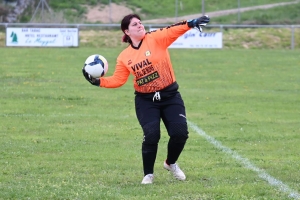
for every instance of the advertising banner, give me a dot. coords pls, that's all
(42, 37)
(195, 39)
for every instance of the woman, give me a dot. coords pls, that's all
(156, 90)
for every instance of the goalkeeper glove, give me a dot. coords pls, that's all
(199, 22)
(89, 78)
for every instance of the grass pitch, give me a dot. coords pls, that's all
(62, 138)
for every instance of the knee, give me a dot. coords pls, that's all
(151, 133)
(178, 132)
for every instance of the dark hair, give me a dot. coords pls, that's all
(125, 24)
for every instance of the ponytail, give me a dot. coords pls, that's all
(126, 39)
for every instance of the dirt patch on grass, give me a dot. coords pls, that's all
(107, 14)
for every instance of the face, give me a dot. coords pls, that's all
(136, 30)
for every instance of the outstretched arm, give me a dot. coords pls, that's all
(169, 34)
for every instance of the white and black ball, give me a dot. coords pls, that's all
(96, 65)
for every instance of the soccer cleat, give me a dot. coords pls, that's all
(174, 168)
(148, 179)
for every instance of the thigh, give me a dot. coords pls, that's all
(146, 111)
(174, 111)
(174, 118)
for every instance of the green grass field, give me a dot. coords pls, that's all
(62, 138)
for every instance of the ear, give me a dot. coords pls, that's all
(126, 31)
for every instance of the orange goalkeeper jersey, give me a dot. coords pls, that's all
(149, 63)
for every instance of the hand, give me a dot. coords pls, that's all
(199, 22)
(89, 78)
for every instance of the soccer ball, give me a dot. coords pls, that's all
(96, 65)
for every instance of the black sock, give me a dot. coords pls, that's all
(174, 151)
(149, 155)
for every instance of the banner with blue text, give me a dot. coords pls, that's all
(196, 39)
(42, 37)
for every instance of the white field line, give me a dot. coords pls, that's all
(247, 164)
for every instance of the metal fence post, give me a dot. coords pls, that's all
(203, 7)
(239, 12)
(176, 10)
(292, 37)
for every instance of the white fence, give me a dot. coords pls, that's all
(220, 27)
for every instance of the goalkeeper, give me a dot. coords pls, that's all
(156, 90)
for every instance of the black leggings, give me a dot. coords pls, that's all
(172, 113)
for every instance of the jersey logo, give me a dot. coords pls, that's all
(147, 79)
(147, 53)
(129, 62)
